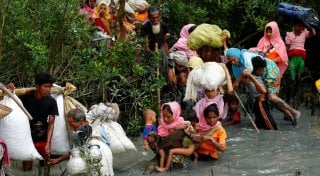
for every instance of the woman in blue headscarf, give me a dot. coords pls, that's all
(234, 56)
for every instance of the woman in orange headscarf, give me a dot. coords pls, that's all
(102, 18)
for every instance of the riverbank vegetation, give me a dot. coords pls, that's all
(52, 36)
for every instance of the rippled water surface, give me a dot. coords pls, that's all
(287, 151)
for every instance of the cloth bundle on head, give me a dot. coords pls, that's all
(138, 5)
(195, 62)
(207, 34)
(180, 58)
(211, 76)
(181, 44)
(163, 128)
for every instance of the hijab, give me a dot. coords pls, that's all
(203, 126)
(163, 128)
(181, 44)
(277, 42)
(236, 53)
(96, 13)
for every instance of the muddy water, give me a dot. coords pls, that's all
(287, 151)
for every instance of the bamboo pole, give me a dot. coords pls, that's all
(245, 110)
(4, 89)
(158, 75)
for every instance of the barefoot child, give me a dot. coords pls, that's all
(150, 126)
(171, 132)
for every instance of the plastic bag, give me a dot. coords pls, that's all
(107, 158)
(60, 140)
(15, 130)
(138, 5)
(211, 76)
(119, 142)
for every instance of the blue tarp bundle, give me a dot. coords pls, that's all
(308, 16)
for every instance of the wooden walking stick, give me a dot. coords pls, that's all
(245, 110)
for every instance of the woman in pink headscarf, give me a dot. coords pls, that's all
(273, 47)
(172, 131)
(212, 136)
(181, 44)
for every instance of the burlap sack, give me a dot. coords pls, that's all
(4, 111)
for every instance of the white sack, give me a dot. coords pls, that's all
(102, 111)
(117, 133)
(211, 76)
(128, 9)
(60, 140)
(107, 158)
(15, 130)
(138, 5)
(111, 137)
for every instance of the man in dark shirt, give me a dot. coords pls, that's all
(155, 30)
(43, 109)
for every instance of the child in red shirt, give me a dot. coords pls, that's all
(233, 116)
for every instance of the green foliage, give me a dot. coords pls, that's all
(244, 19)
(52, 36)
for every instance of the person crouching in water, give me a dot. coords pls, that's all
(233, 115)
(172, 131)
(212, 136)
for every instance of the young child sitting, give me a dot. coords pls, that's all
(150, 126)
(233, 115)
(172, 131)
(191, 116)
(213, 135)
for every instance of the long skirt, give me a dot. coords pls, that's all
(264, 118)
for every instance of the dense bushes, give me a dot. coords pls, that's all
(51, 36)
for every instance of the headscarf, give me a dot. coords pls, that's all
(195, 62)
(163, 128)
(181, 44)
(141, 16)
(236, 53)
(203, 126)
(180, 58)
(278, 44)
(207, 34)
(96, 13)
(5, 157)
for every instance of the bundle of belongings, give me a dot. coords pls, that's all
(107, 133)
(308, 16)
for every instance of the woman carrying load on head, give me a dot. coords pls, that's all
(181, 44)
(207, 40)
